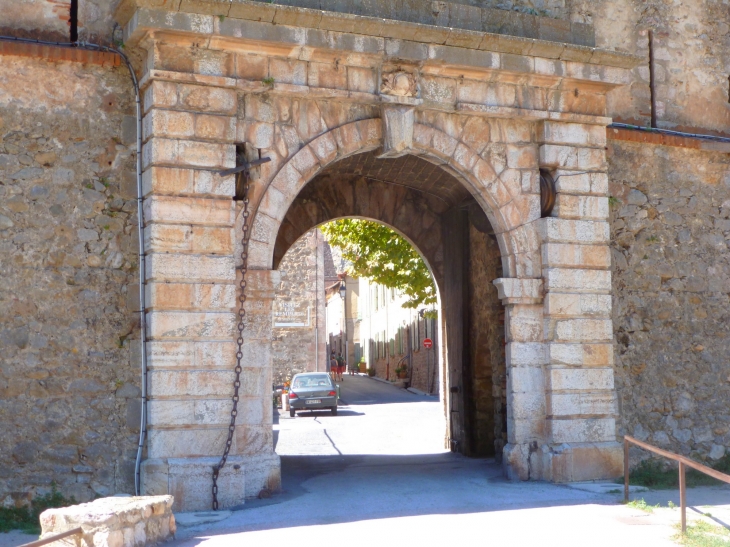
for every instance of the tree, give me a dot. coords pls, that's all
(381, 255)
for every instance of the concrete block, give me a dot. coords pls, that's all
(526, 354)
(522, 157)
(190, 325)
(189, 210)
(527, 405)
(525, 430)
(581, 207)
(190, 383)
(328, 75)
(287, 71)
(584, 330)
(180, 182)
(252, 67)
(160, 94)
(191, 296)
(525, 380)
(582, 430)
(190, 482)
(559, 230)
(362, 80)
(571, 182)
(176, 153)
(594, 355)
(198, 98)
(524, 323)
(186, 443)
(566, 304)
(254, 439)
(168, 354)
(577, 280)
(168, 123)
(573, 134)
(580, 379)
(575, 158)
(190, 268)
(566, 255)
(576, 404)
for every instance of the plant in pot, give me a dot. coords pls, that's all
(401, 372)
(371, 372)
(363, 367)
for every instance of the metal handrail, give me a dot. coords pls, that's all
(56, 537)
(683, 461)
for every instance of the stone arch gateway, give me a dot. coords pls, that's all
(308, 88)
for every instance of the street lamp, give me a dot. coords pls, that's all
(343, 289)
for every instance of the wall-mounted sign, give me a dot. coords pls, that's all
(427, 343)
(291, 314)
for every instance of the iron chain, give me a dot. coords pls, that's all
(239, 341)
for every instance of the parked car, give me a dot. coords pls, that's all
(311, 391)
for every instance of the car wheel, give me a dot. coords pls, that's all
(292, 413)
(334, 411)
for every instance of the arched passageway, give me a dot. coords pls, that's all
(439, 216)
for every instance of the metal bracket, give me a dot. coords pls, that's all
(243, 166)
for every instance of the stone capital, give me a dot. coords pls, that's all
(519, 291)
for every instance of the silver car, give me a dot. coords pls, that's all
(311, 391)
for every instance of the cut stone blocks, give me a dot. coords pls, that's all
(114, 522)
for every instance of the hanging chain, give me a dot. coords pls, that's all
(239, 341)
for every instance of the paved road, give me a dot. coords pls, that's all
(377, 474)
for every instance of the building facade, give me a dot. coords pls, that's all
(433, 119)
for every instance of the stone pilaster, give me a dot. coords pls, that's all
(191, 290)
(525, 354)
(580, 396)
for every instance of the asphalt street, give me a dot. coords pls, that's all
(378, 474)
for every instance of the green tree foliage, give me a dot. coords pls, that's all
(381, 255)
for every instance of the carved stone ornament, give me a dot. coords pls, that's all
(400, 84)
(397, 130)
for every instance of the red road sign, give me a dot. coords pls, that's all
(427, 343)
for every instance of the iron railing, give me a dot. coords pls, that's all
(683, 461)
(55, 537)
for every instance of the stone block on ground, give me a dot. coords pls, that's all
(114, 521)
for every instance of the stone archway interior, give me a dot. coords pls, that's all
(432, 209)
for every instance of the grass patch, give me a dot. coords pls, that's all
(642, 505)
(703, 534)
(652, 473)
(26, 518)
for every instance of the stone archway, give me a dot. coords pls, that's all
(491, 112)
(443, 222)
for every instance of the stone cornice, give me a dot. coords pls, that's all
(312, 28)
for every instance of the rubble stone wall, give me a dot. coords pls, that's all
(69, 398)
(691, 54)
(486, 336)
(670, 226)
(293, 348)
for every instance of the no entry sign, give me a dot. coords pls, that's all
(427, 343)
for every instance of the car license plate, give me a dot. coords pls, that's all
(313, 401)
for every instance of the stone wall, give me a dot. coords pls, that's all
(113, 522)
(670, 226)
(691, 53)
(299, 299)
(69, 399)
(486, 337)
